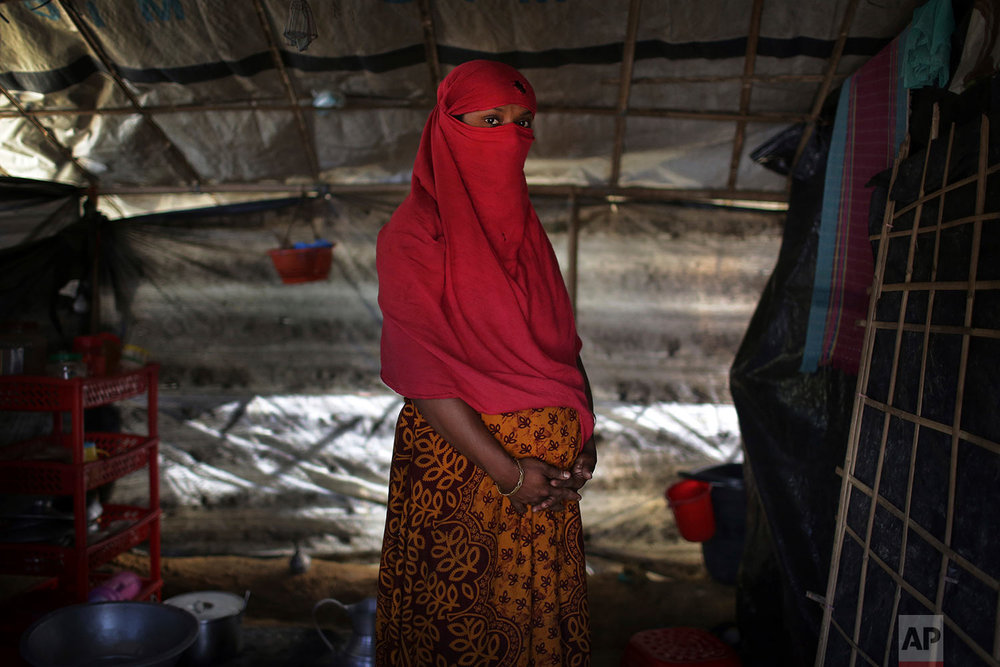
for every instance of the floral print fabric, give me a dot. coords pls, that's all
(464, 578)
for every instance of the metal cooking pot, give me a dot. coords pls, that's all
(141, 634)
(220, 617)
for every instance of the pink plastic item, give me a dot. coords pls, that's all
(678, 647)
(124, 585)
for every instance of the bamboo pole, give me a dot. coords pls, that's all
(260, 104)
(51, 138)
(946, 429)
(925, 346)
(894, 373)
(573, 247)
(305, 137)
(978, 285)
(946, 189)
(926, 535)
(977, 227)
(912, 590)
(957, 222)
(950, 330)
(886, 419)
(824, 88)
(430, 45)
(95, 47)
(720, 197)
(746, 88)
(855, 427)
(356, 103)
(724, 78)
(624, 90)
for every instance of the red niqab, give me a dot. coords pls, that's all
(473, 303)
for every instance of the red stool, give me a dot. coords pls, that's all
(676, 647)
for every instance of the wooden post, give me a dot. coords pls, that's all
(90, 210)
(573, 247)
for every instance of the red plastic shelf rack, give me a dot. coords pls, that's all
(56, 465)
(119, 454)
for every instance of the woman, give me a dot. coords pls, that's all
(482, 560)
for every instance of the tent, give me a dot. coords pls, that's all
(157, 104)
(166, 114)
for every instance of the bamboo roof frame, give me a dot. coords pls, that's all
(624, 89)
(300, 121)
(623, 109)
(776, 117)
(825, 85)
(49, 136)
(94, 44)
(746, 87)
(430, 46)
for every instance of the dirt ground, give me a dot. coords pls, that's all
(628, 593)
(642, 574)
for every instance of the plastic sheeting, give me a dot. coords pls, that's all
(207, 72)
(794, 428)
(34, 210)
(254, 474)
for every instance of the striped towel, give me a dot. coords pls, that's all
(869, 126)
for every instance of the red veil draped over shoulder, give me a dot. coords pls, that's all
(473, 303)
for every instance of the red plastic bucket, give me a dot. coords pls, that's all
(691, 502)
(302, 265)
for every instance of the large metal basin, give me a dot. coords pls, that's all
(139, 634)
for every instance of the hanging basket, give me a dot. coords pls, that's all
(302, 265)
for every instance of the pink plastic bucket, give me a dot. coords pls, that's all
(691, 502)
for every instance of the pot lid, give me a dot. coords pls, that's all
(209, 605)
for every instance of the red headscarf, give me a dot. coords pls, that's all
(473, 303)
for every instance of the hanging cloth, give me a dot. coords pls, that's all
(927, 50)
(473, 303)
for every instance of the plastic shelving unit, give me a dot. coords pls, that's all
(56, 465)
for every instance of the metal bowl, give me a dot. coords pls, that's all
(141, 634)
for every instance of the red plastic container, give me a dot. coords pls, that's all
(676, 647)
(101, 353)
(691, 502)
(302, 265)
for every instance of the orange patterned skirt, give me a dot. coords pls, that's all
(464, 578)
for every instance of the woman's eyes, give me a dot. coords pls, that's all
(496, 121)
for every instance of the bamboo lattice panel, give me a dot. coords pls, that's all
(918, 530)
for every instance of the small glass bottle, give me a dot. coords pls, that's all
(66, 365)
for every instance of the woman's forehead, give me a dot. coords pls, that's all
(517, 109)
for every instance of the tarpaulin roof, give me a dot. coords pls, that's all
(143, 100)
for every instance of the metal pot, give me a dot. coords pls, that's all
(144, 634)
(220, 618)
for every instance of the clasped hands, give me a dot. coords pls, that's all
(546, 486)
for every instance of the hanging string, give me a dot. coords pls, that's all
(300, 30)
